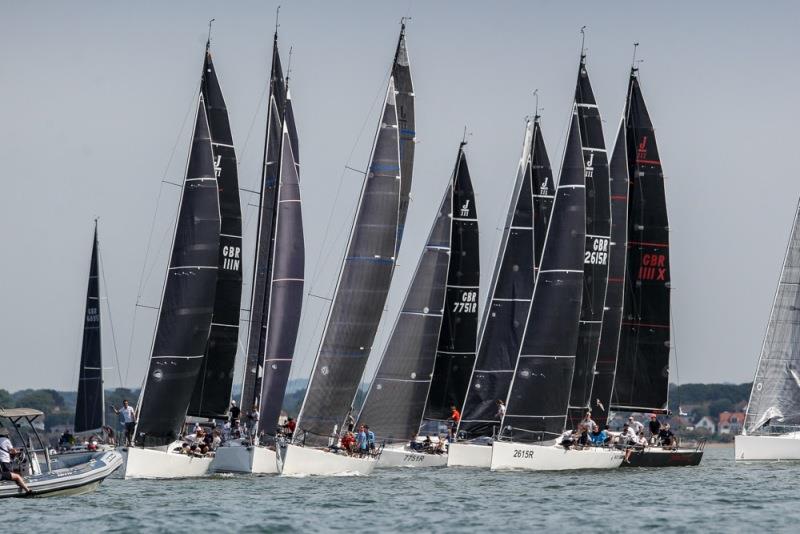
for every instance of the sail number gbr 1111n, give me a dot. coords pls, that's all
(596, 252)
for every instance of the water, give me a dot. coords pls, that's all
(718, 495)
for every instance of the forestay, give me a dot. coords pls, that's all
(89, 407)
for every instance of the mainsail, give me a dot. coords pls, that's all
(539, 394)
(598, 230)
(187, 302)
(396, 398)
(279, 260)
(617, 255)
(775, 397)
(361, 289)
(404, 98)
(213, 389)
(455, 352)
(642, 379)
(89, 410)
(512, 286)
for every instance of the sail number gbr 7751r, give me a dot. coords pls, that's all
(467, 304)
(596, 251)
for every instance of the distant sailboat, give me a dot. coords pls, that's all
(357, 306)
(510, 294)
(438, 316)
(90, 407)
(185, 315)
(277, 285)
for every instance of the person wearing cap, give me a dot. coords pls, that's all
(235, 411)
(128, 415)
(627, 438)
(635, 425)
(7, 450)
(654, 425)
(666, 436)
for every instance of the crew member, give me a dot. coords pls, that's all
(6, 452)
(128, 415)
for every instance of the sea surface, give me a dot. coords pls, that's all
(716, 496)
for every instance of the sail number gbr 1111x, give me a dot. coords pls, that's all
(596, 250)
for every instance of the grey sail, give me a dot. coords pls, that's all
(187, 302)
(775, 397)
(396, 398)
(404, 98)
(361, 289)
(511, 288)
(537, 402)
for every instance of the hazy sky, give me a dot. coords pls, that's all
(96, 96)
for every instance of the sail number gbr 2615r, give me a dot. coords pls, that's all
(522, 453)
(596, 251)
(468, 303)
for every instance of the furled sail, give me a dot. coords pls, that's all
(539, 394)
(361, 289)
(279, 261)
(212, 393)
(396, 398)
(598, 230)
(617, 255)
(642, 378)
(455, 355)
(404, 98)
(187, 302)
(512, 286)
(90, 407)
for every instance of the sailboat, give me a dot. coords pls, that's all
(357, 305)
(277, 287)
(187, 310)
(510, 294)
(434, 334)
(539, 394)
(641, 378)
(772, 422)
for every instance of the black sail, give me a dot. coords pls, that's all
(642, 378)
(187, 303)
(361, 290)
(540, 389)
(617, 254)
(404, 98)
(455, 355)
(267, 214)
(598, 231)
(512, 286)
(212, 393)
(395, 400)
(89, 408)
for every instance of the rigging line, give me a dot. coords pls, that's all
(110, 321)
(261, 100)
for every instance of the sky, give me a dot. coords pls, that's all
(96, 118)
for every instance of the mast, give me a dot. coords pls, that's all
(598, 237)
(89, 409)
(539, 393)
(187, 303)
(512, 285)
(361, 289)
(456, 352)
(774, 396)
(642, 378)
(212, 392)
(404, 98)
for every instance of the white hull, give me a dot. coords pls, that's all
(510, 455)
(785, 447)
(405, 457)
(245, 459)
(157, 463)
(469, 455)
(310, 461)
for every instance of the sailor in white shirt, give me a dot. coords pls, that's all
(635, 425)
(128, 415)
(7, 450)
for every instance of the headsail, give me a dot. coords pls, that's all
(361, 289)
(213, 390)
(775, 397)
(396, 398)
(642, 379)
(539, 393)
(617, 255)
(89, 410)
(512, 286)
(187, 302)
(280, 261)
(404, 97)
(455, 354)
(598, 230)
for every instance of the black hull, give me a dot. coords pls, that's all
(662, 458)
